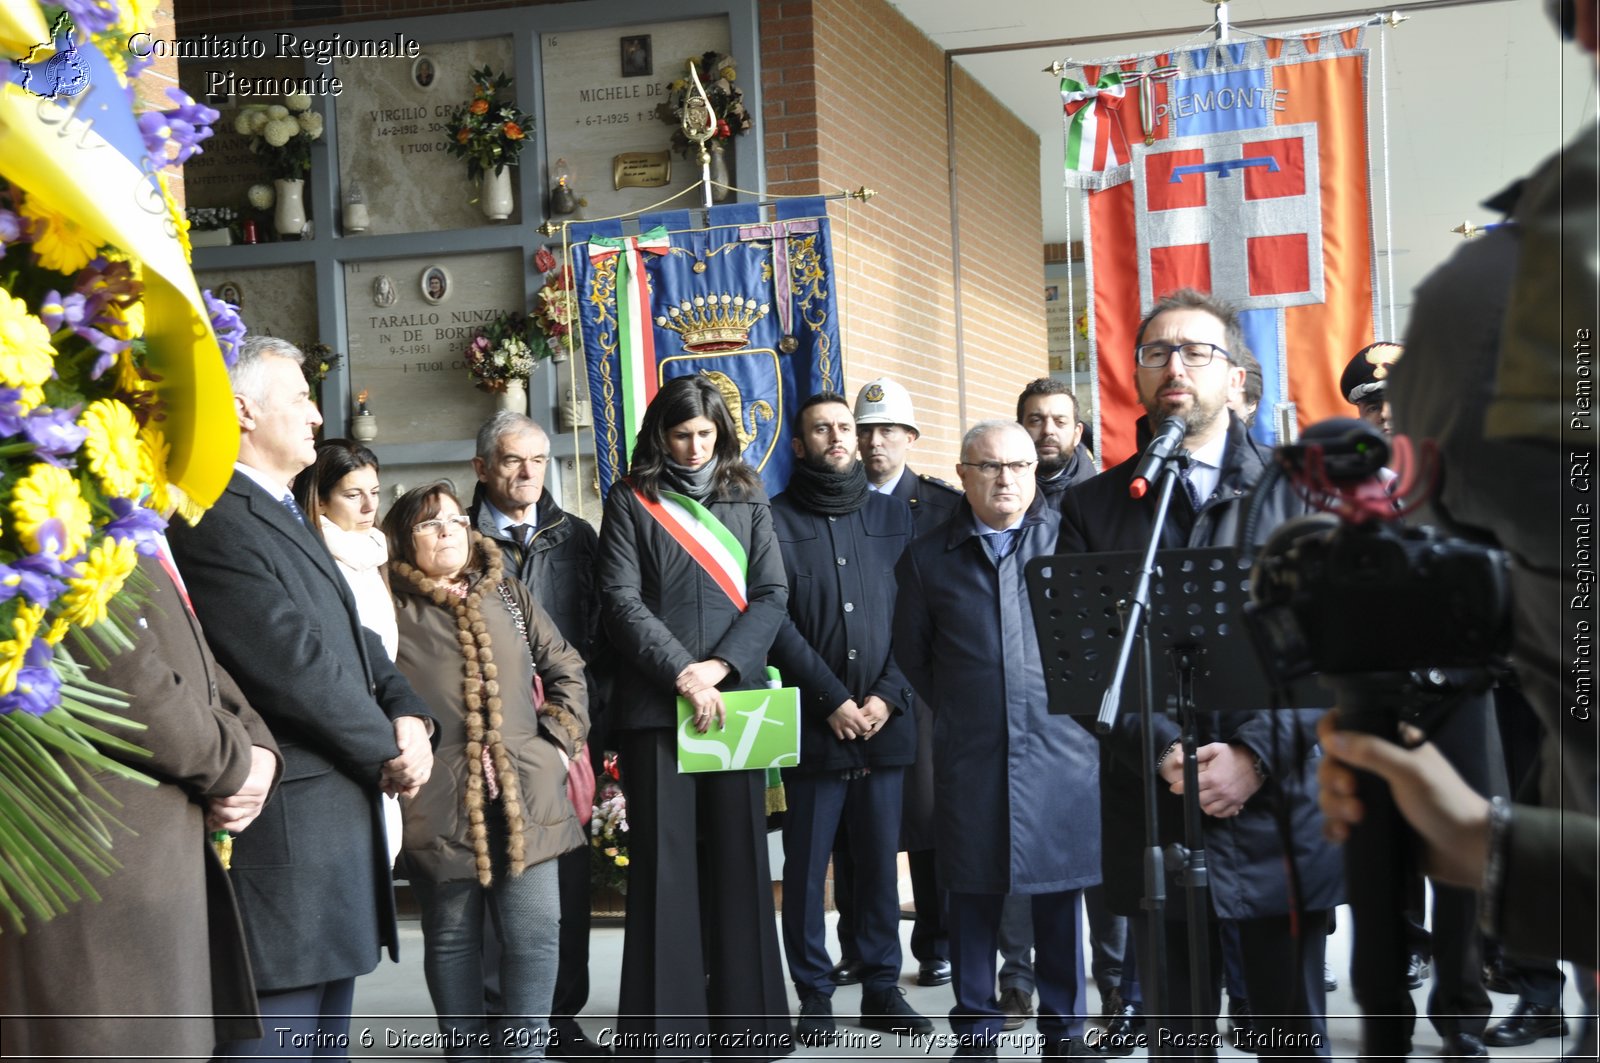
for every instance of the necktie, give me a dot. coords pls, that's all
(1000, 543)
(1189, 487)
(519, 532)
(293, 507)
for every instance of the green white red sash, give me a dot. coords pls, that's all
(707, 540)
(636, 345)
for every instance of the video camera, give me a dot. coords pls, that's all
(1350, 590)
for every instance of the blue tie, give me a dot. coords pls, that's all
(1189, 488)
(293, 507)
(1000, 543)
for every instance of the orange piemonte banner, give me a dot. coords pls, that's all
(1238, 168)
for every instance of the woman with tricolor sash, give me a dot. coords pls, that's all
(693, 592)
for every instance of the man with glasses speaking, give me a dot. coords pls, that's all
(1254, 765)
(1017, 786)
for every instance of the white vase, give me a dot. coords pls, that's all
(210, 238)
(290, 217)
(719, 173)
(514, 397)
(364, 427)
(495, 194)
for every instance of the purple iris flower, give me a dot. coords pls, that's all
(55, 433)
(87, 316)
(92, 16)
(38, 687)
(12, 229)
(133, 521)
(226, 323)
(10, 414)
(40, 578)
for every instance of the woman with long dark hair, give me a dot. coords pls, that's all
(483, 834)
(700, 961)
(339, 495)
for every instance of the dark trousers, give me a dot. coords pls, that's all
(817, 805)
(1058, 963)
(700, 957)
(312, 1022)
(930, 940)
(1288, 1006)
(1108, 944)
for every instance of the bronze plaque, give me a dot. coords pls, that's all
(641, 169)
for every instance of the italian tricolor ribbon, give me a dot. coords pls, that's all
(708, 541)
(1090, 141)
(636, 344)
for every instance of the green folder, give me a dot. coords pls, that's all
(763, 732)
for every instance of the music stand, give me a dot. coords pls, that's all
(1196, 606)
(1194, 612)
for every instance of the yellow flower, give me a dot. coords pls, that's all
(48, 495)
(622, 861)
(153, 451)
(112, 446)
(96, 580)
(62, 245)
(27, 359)
(14, 650)
(58, 631)
(129, 378)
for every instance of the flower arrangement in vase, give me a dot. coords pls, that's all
(608, 831)
(489, 132)
(282, 134)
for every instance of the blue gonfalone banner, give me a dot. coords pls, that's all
(748, 300)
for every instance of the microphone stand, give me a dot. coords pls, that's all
(1136, 624)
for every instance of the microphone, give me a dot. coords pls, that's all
(1156, 455)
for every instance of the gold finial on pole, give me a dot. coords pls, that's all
(699, 125)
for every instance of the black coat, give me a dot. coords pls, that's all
(664, 613)
(1016, 789)
(312, 873)
(1248, 879)
(834, 644)
(932, 502)
(558, 565)
(1079, 467)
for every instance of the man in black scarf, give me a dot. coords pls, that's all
(840, 543)
(1048, 410)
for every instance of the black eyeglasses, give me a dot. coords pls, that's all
(990, 470)
(1194, 355)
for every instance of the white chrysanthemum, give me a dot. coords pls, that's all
(277, 110)
(279, 133)
(260, 196)
(241, 124)
(311, 124)
(299, 101)
(258, 120)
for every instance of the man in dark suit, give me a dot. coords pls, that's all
(1254, 765)
(1017, 789)
(312, 874)
(886, 430)
(553, 552)
(840, 542)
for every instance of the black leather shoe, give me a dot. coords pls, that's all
(889, 1012)
(1418, 970)
(1121, 1035)
(1238, 1014)
(1526, 1024)
(1463, 1046)
(846, 972)
(934, 972)
(816, 1025)
(1330, 981)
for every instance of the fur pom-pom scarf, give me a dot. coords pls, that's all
(480, 694)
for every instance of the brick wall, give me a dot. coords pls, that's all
(855, 95)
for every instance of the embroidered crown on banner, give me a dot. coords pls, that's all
(712, 323)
